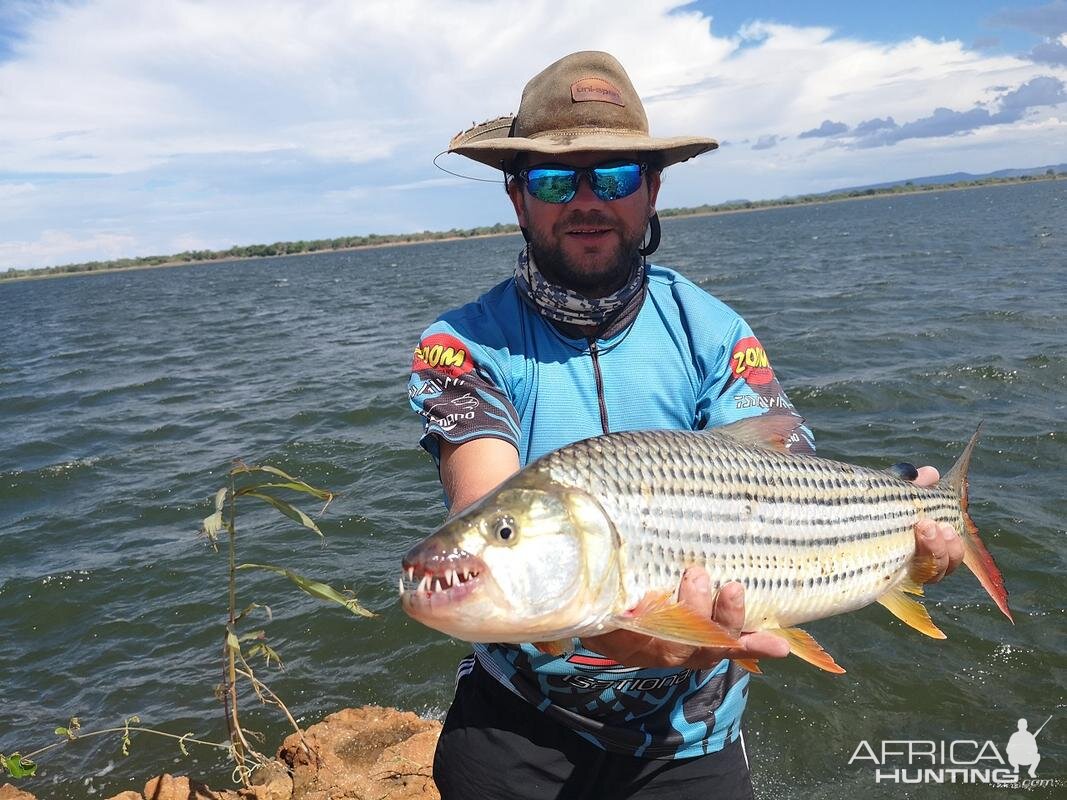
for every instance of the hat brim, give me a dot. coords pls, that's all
(490, 144)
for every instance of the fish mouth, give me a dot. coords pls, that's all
(432, 579)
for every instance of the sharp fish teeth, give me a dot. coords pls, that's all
(400, 581)
(452, 579)
(411, 573)
(424, 584)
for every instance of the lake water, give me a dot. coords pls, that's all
(895, 324)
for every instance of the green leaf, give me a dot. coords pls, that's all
(295, 486)
(269, 653)
(252, 635)
(232, 642)
(63, 732)
(316, 589)
(126, 741)
(181, 743)
(211, 526)
(290, 511)
(17, 766)
(252, 607)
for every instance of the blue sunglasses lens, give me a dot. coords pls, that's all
(552, 185)
(560, 184)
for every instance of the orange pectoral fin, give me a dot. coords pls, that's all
(910, 612)
(751, 664)
(662, 618)
(803, 645)
(556, 648)
(921, 570)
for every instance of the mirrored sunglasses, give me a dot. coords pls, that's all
(558, 184)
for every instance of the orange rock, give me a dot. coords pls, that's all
(10, 792)
(272, 782)
(172, 787)
(129, 794)
(364, 752)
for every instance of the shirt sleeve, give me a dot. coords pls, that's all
(460, 389)
(741, 383)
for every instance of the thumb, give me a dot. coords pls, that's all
(730, 607)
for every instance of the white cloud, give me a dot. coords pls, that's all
(53, 245)
(194, 111)
(12, 191)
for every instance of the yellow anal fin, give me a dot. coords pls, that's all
(659, 616)
(911, 612)
(556, 648)
(921, 570)
(804, 646)
(751, 664)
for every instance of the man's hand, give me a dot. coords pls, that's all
(938, 540)
(727, 608)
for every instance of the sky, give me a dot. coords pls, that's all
(130, 128)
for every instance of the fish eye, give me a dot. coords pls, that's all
(504, 529)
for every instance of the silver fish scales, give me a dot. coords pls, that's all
(807, 536)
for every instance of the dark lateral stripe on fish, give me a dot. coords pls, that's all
(802, 542)
(752, 562)
(762, 582)
(774, 494)
(890, 526)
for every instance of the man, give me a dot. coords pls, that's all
(586, 337)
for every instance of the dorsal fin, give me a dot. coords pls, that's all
(772, 431)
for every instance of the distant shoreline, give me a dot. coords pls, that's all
(231, 259)
(512, 230)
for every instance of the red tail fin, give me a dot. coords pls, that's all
(975, 555)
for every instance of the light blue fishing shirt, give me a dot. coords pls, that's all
(496, 367)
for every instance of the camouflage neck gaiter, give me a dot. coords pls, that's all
(564, 305)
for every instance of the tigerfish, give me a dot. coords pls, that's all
(595, 537)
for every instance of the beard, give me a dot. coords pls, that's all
(595, 276)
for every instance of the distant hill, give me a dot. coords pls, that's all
(955, 177)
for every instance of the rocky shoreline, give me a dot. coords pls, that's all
(368, 753)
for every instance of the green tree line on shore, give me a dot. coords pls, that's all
(239, 252)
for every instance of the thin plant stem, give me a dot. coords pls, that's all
(63, 742)
(273, 698)
(233, 722)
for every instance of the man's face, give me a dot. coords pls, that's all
(587, 244)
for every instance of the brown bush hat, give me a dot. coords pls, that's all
(584, 102)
